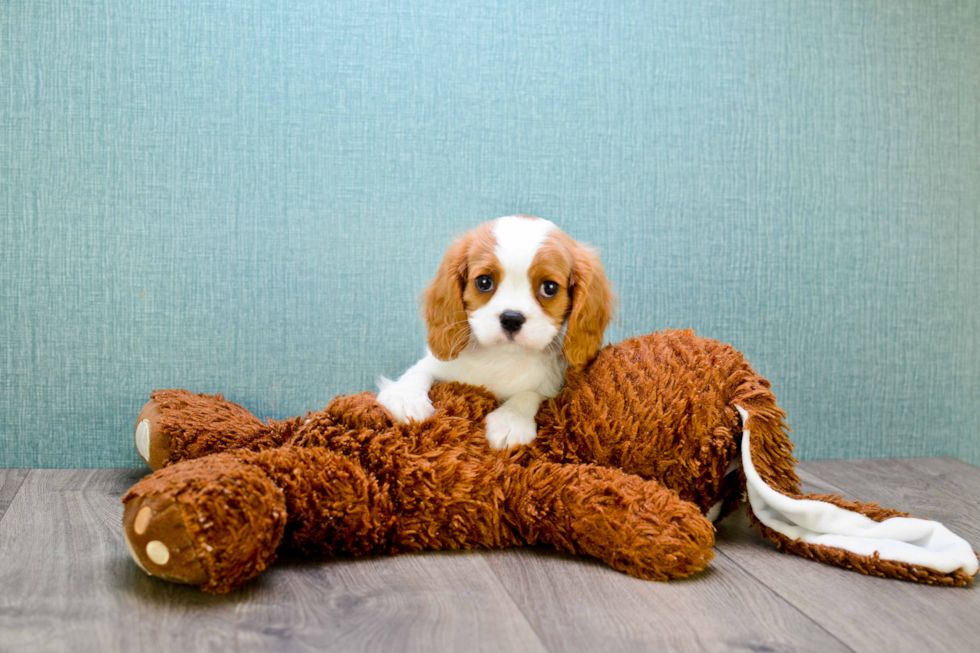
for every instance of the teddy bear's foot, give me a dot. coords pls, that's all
(214, 523)
(159, 542)
(152, 441)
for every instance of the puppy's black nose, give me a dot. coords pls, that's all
(511, 321)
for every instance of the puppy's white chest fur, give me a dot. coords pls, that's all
(506, 370)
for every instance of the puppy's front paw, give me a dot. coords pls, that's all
(506, 428)
(405, 403)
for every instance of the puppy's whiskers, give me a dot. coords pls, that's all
(461, 338)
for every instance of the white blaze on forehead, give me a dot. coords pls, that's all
(518, 240)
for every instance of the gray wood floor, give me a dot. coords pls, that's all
(67, 584)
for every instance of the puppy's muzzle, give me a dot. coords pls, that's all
(511, 321)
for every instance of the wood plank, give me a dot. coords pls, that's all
(950, 476)
(943, 466)
(945, 489)
(579, 604)
(10, 482)
(430, 601)
(869, 614)
(69, 585)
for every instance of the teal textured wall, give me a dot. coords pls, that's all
(247, 197)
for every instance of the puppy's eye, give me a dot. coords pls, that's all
(484, 283)
(549, 289)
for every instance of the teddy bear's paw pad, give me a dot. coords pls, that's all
(152, 442)
(143, 440)
(159, 542)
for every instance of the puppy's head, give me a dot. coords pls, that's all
(518, 281)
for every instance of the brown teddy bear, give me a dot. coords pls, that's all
(633, 461)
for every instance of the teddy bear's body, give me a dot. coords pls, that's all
(629, 459)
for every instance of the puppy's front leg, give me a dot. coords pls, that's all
(408, 397)
(513, 422)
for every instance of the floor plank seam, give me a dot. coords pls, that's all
(786, 601)
(537, 633)
(20, 484)
(934, 483)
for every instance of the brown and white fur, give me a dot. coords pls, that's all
(543, 311)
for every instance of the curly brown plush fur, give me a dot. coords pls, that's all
(628, 459)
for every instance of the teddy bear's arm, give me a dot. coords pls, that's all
(179, 425)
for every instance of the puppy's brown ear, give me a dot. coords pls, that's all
(592, 308)
(442, 305)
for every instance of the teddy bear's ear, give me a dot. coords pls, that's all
(592, 308)
(442, 304)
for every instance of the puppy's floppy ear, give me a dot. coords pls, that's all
(592, 308)
(442, 304)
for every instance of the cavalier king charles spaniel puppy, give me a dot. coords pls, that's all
(515, 304)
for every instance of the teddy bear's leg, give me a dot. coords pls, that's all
(635, 525)
(334, 505)
(179, 425)
(660, 406)
(217, 522)
(213, 522)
